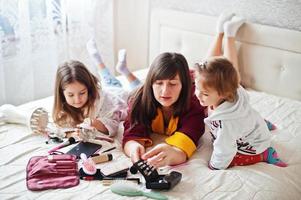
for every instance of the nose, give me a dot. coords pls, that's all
(77, 99)
(165, 89)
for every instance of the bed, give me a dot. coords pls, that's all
(270, 61)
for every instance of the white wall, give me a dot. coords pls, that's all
(279, 13)
(132, 19)
(131, 31)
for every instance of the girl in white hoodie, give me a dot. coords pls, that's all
(241, 136)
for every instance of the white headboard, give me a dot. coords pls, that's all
(269, 57)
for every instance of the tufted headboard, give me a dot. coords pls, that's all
(269, 57)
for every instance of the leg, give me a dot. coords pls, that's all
(122, 68)
(94, 54)
(230, 52)
(270, 125)
(216, 47)
(270, 156)
(107, 78)
(242, 160)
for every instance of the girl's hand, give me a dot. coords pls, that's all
(164, 154)
(94, 124)
(134, 150)
(74, 134)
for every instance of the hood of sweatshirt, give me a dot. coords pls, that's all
(232, 110)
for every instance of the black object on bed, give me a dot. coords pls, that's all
(152, 177)
(84, 147)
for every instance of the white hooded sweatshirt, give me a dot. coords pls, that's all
(236, 127)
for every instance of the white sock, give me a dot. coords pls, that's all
(121, 66)
(224, 17)
(93, 52)
(231, 27)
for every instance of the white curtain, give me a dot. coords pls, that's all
(37, 35)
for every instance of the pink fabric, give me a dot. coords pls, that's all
(50, 172)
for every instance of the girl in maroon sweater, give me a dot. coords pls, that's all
(165, 104)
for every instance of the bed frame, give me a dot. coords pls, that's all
(269, 57)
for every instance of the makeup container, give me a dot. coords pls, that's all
(100, 158)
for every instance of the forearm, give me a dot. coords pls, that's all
(178, 157)
(182, 142)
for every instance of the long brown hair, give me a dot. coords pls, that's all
(69, 72)
(165, 66)
(219, 74)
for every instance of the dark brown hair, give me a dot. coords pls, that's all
(220, 75)
(165, 66)
(69, 72)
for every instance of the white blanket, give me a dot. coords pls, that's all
(259, 181)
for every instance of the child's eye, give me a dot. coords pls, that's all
(70, 95)
(82, 93)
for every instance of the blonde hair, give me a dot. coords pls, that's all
(219, 74)
(69, 72)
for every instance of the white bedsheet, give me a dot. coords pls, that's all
(259, 181)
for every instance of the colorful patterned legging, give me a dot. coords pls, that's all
(242, 159)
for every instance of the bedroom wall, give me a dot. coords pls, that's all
(131, 25)
(135, 15)
(279, 13)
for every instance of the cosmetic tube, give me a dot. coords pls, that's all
(100, 158)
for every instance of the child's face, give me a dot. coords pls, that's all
(76, 94)
(167, 91)
(207, 96)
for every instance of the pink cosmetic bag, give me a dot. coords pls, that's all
(50, 172)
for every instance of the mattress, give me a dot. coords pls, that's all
(259, 181)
